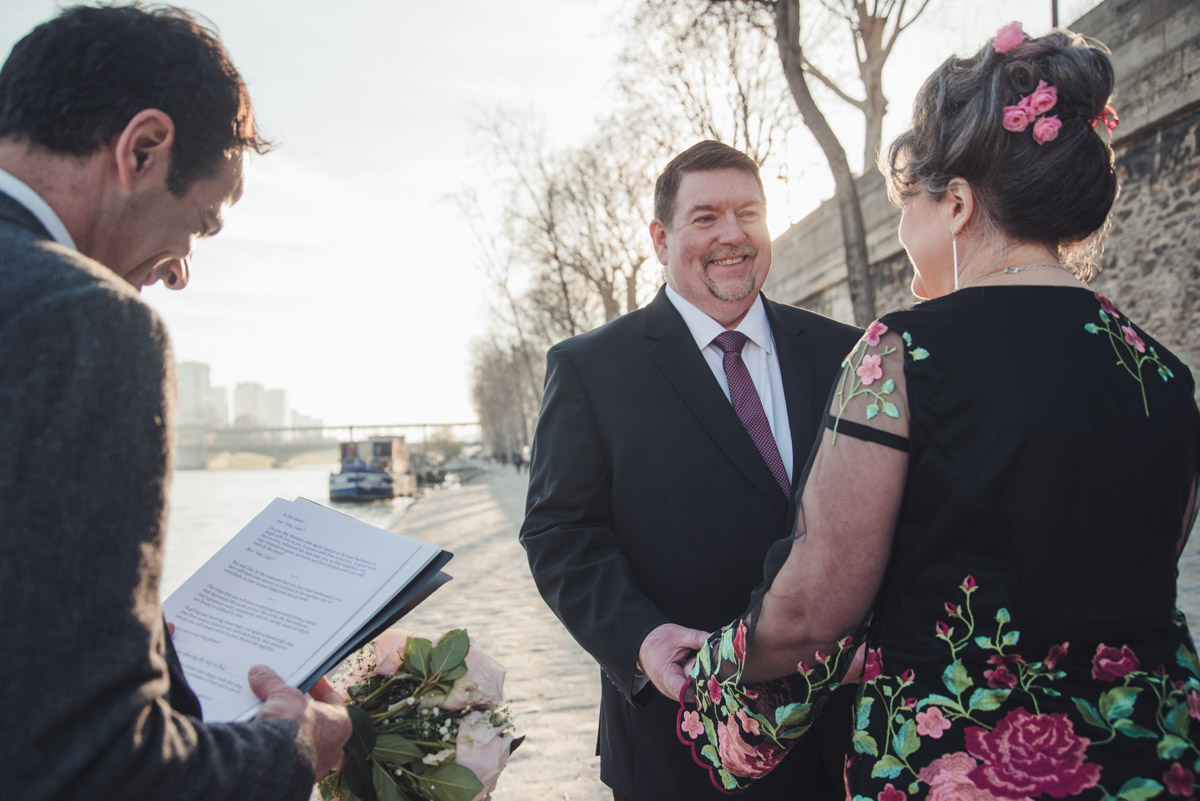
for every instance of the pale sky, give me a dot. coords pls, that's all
(345, 274)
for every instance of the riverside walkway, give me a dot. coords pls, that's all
(554, 686)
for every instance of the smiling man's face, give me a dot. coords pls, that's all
(716, 250)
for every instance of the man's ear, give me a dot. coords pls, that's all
(960, 204)
(658, 234)
(143, 147)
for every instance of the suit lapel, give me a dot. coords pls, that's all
(673, 350)
(798, 369)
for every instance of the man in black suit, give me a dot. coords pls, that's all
(651, 505)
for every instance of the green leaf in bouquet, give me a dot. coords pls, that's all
(362, 737)
(417, 653)
(356, 774)
(448, 676)
(396, 749)
(450, 782)
(450, 652)
(516, 742)
(386, 788)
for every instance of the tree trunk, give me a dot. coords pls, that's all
(787, 36)
(871, 61)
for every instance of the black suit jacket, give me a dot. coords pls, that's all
(649, 503)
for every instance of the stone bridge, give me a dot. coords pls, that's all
(197, 445)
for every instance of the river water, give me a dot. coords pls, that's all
(209, 506)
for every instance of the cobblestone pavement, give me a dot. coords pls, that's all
(554, 686)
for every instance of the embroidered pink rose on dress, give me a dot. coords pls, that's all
(1000, 678)
(890, 793)
(740, 758)
(947, 779)
(1031, 755)
(1008, 37)
(1111, 663)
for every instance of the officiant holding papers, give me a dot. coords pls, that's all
(122, 136)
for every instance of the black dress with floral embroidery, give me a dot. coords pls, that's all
(1024, 642)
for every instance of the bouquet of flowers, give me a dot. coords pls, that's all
(428, 721)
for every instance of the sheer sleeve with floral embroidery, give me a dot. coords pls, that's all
(761, 682)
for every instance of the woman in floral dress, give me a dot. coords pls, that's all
(1007, 477)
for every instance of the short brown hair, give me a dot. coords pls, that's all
(74, 82)
(700, 157)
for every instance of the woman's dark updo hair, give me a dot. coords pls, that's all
(1058, 193)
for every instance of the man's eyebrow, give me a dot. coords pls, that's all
(713, 207)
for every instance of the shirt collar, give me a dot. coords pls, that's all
(705, 329)
(21, 192)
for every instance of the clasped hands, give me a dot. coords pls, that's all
(668, 652)
(666, 657)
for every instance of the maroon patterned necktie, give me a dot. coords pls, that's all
(748, 406)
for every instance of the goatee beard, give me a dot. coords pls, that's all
(732, 290)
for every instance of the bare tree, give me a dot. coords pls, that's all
(854, 237)
(874, 26)
(693, 70)
(579, 216)
(507, 410)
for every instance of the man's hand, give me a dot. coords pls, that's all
(665, 652)
(323, 714)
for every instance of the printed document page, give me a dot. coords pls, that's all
(286, 591)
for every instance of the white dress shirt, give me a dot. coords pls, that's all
(758, 354)
(21, 192)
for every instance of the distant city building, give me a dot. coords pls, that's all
(277, 413)
(254, 406)
(218, 404)
(200, 404)
(249, 404)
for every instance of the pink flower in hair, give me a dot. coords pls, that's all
(1046, 129)
(1108, 117)
(1017, 118)
(1008, 37)
(1043, 98)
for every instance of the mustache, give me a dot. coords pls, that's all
(732, 253)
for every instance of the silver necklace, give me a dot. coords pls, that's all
(1014, 270)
